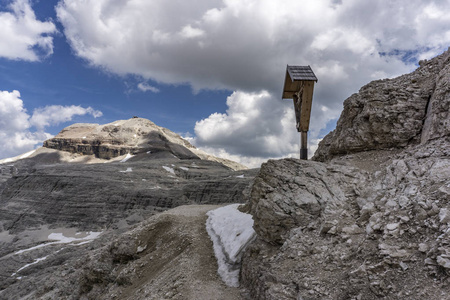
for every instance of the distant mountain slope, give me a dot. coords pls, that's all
(134, 136)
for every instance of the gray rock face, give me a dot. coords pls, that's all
(394, 113)
(367, 225)
(95, 196)
(291, 193)
(338, 232)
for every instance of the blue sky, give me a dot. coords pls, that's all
(213, 73)
(65, 79)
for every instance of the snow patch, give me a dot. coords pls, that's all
(240, 176)
(127, 157)
(184, 168)
(30, 264)
(27, 154)
(169, 169)
(128, 170)
(231, 231)
(148, 152)
(90, 235)
(14, 159)
(61, 239)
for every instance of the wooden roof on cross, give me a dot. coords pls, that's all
(301, 73)
(294, 76)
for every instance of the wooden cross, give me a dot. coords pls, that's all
(299, 86)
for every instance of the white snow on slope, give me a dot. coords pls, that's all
(231, 231)
(184, 168)
(61, 239)
(127, 157)
(14, 159)
(128, 170)
(27, 154)
(169, 169)
(37, 260)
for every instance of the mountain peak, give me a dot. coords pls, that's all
(133, 136)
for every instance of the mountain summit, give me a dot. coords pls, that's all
(135, 139)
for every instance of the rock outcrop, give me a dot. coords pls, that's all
(371, 224)
(394, 113)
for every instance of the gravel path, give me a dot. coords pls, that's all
(179, 261)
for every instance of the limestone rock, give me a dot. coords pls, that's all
(394, 113)
(292, 193)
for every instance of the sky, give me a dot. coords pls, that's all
(209, 70)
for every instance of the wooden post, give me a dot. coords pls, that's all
(304, 145)
(297, 102)
(299, 86)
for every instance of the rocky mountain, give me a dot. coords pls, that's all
(134, 136)
(370, 218)
(91, 184)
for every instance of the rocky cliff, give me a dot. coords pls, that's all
(371, 219)
(394, 113)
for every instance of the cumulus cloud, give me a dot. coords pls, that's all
(22, 131)
(248, 127)
(145, 87)
(256, 127)
(22, 36)
(56, 114)
(244, 46)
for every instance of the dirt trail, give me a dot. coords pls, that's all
(178, 261)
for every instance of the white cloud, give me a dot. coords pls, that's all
(22, 132)
(191, 32)
(22, 36)
(146, 87)
(244, 46)
(256, 127)
(56, 114)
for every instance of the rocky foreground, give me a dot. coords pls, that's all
(370, 219)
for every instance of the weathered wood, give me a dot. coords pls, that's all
(290, 87)
(297, 103)
(304, 145)
(306, 104)
(299, 86)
